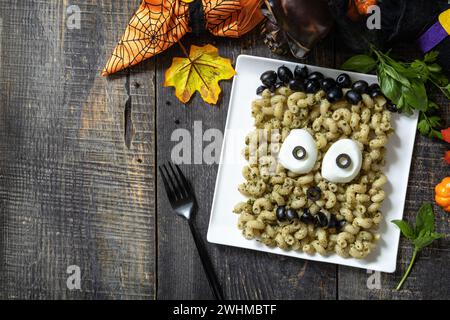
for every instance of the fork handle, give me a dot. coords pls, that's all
(206, 262)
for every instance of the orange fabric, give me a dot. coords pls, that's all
(231, 18)
(159, 24)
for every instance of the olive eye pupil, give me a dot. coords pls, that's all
(343, 161)
(299, 153)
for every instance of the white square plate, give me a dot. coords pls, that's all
(223, 222)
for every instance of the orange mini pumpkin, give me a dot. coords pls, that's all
(442, 196)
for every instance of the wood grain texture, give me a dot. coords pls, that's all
(71, 192)
(78, 185)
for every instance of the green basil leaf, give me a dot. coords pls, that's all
(396, 75)
(446, 90)
(405, 228)
(431, 56)
(425, 219)
(416, 95)
(426, 238)
(423, 127)
(360, 63)
(436, 134)
(432, 105)
(390, 87)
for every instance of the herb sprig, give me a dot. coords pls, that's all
(406, 83)
(421, 235)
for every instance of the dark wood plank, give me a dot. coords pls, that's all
(430, 278)
(244, 274)
(72, 192)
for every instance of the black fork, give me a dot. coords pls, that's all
(182, 199)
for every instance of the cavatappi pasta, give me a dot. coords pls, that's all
(268, 185)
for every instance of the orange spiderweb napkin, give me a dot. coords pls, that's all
(159, 24)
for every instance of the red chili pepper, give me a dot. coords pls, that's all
(363, 5)
(447, 157)
(446, 135)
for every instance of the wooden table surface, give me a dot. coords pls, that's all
(78, 182)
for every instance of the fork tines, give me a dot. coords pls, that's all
(176, 185)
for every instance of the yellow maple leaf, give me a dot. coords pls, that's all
(201, 72)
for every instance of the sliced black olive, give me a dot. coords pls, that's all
(285, 74)
(291, 214)
(353, 97)
(269, 78)
(315, 76)
(390, 106)
(343, 161)
(327, 83)
(341, 224)
(314, 193)
(296, 85)
(360, 86)
(333, 222)
(301, 72)
(312, 86)
(260, 90)
(334, 94)
(299, 153)
(375, 94)
(344, 80)
(321, 220)
(279, 84)
(306, 217)
(281, 213)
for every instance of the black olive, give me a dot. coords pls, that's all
(272, 88)
(301, 72)
(279, 84)
(390, 106)
(353, 97)
(374, 90)
(343, 161)
(260, 89)
(374, 86)
(344, 81)
(321, 220)
(334, 94)
(306, 217)
(333, 222)
(281, 213)
(376, 93)
(341, 224)
(291, 214)
(296, 85)
(312, 86)
(327, 83)
(315, 76)
(285, 74)
(269, 78)
(299, 153)
(314, 193)
(360, 86)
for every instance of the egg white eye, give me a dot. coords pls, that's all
(342, 162)
(298, 153)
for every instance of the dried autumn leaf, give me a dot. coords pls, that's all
(201, 72)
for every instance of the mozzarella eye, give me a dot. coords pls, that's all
(342, 162)
(298, 153)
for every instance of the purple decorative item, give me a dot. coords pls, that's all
(432, 37)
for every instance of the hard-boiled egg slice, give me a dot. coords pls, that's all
(342, 162)
(298, 152)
